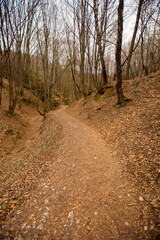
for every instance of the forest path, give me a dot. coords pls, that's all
(85, 195)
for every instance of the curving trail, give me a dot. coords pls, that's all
(85, 195)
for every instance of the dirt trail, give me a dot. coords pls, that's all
(85, 195)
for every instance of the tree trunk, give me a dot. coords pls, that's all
(82, 48)
(104, 73)
(37, 67)
(76, 87)
(1, 74)
(82, 72)
(153, 64)
(99, 38)
(19, 68)
(1, 85)
(12, 99)
(118, 54)
(144, 69)
(133, 38)
(29, 71)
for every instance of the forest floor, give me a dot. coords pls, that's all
(86, 172)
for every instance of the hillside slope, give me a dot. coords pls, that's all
(99, 180)
(28, 145)
(133, 133)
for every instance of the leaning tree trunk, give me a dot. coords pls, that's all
(118, 54)
(133, 38)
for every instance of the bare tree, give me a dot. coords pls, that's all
(13, 20)
(81, 20)
(101, 33)
(144, 67)
(118, 54)
(8, 37)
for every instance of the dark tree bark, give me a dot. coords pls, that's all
(118, 54)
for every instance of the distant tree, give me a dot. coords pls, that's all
(14, 16)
